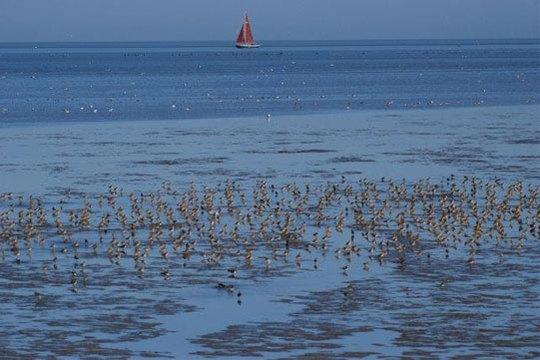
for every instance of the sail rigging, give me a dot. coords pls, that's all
(245, 37)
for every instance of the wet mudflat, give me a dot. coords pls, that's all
(376, 234)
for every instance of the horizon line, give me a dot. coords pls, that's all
(268, 40)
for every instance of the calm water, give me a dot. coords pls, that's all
(428, 302)
(148, 81)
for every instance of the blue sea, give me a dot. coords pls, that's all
(388, 158)
(51, 82)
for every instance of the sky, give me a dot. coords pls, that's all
(181, 20)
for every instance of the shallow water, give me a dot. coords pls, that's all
(77, 118)
(487, 142)
(429, 307)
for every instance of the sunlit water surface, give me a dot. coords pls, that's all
(426, 307)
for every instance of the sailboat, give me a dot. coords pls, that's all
(245, 37)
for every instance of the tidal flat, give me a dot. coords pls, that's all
(376, 234)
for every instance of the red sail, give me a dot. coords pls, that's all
(241, 36)
(245, 36)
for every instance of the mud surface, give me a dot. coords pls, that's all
(425, 287)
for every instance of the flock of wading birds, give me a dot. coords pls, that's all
(227, 226)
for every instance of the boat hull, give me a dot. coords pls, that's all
(247, 46)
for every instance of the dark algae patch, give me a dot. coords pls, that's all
(187, 161)
(350, 159)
